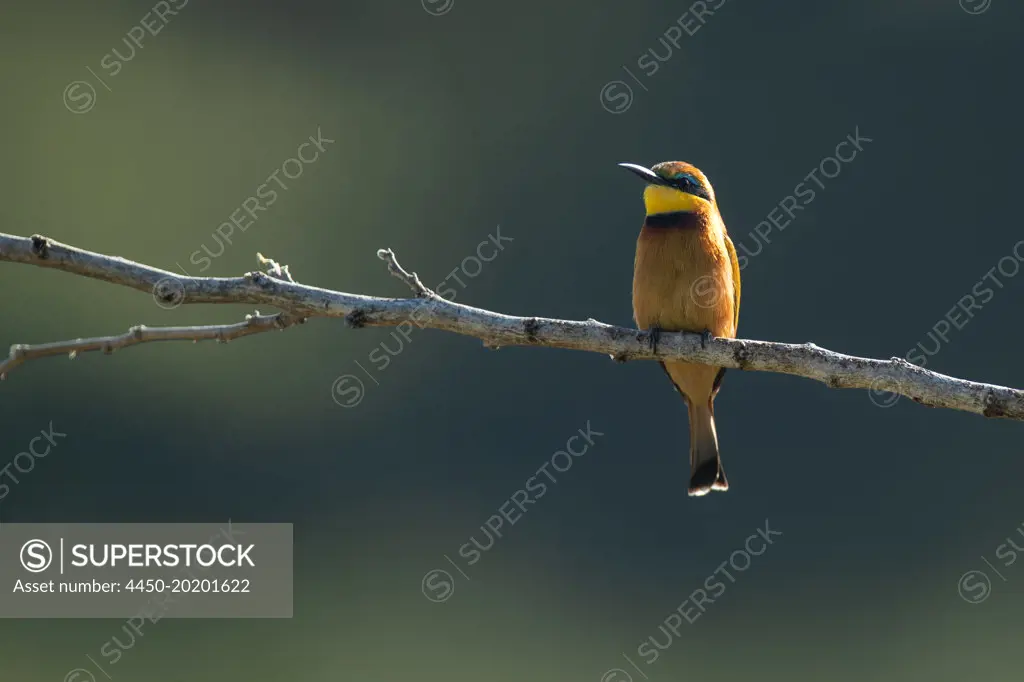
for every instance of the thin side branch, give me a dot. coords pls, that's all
(411, 279)
(428, 310)
(253, 324)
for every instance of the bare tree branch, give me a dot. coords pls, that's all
(254, 324)
(428, 310)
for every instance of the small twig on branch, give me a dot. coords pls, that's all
(253, 324)
(274, 268)
(298, 301)
(410, 278)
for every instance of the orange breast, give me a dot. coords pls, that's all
(682, 279)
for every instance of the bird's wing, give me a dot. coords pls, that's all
(735, 280)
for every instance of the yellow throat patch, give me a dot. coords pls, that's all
(660, 199)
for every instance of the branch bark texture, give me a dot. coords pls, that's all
(298, 302)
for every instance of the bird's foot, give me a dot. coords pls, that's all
(654, 335)
(705, 336)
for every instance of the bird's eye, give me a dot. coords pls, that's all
(685, 179)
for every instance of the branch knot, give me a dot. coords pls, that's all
(356, 319)
(531, 327)
(41, 246)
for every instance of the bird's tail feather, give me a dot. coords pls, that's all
(706, 473)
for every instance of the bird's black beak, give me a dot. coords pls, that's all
(646, 174)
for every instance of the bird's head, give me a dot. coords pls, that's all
(674, 186)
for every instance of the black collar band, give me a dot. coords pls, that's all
(677, 220)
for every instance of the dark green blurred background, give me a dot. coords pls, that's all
(445, 127)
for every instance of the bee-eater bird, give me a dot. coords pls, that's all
(686, 277)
